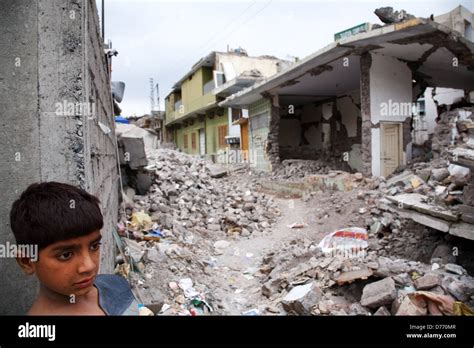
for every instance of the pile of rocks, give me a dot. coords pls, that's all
(185, 196)
(295, 169)
(305, 281)
(190, 205)
(454, 128)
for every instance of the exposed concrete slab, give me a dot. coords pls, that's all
(459, 229)
(415, 201)
(426, 220)
(463, 230)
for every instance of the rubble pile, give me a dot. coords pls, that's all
(303, 280)
(188, 212)
(438, 194)
(388, 16)
(454, 128)
(295, 169)
(185, 196)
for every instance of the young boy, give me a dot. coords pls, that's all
(64, 222)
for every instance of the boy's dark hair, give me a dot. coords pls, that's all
(49, 212)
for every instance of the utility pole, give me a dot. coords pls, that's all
(157, 87)
(152, 95)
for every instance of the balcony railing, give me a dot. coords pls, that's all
(192, 106)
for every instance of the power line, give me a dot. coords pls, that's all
(231, 32)
(227, 26)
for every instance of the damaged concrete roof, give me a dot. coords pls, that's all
(428, 48)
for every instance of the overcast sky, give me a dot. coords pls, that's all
(163, 39)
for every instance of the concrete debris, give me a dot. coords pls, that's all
(204, 219)
(349, 277)
(382, 311)
(301, 299)
(453, 268)
(388, 16)
(427, 281)
(379, 293)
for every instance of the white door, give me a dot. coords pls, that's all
(202, 142)
(390, 154)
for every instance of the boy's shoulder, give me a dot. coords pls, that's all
(115, 295)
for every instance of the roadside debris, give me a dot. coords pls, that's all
(188, 222)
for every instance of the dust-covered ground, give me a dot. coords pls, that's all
(227, 247)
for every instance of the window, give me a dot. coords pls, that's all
(193, 141)
(222, 132)
(185, 141)
(219, 78)
(236, 114)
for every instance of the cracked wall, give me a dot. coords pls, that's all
(325, 130)
(62, 63)
(390, 101)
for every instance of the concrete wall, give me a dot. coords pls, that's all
(62, 63)
(210, 124)
(316, 130)
(390, 97)
(258, 129)
(191, 89)
(459, 19)
(212, 133)
(189, 130)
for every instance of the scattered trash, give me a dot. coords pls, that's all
(199, 303)
(348, 239)
(462, 309)
(153, 235)
(297, 225)
(186, 284)
(121, 228)
(104, 128)
(141, 221)
(436, 304)
(253, 311)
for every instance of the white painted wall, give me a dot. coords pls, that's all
(390, 86)
(327, 111)
(376, 151)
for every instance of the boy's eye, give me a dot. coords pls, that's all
(96, 246)
(65, 256)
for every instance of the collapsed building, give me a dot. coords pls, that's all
(352, 101)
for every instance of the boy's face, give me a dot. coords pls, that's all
(68, 267)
